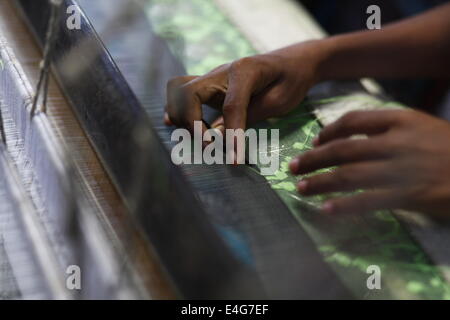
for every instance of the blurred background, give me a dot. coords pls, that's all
(350, 15)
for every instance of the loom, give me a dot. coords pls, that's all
(87, 178)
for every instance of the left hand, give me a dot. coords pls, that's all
(403, 164)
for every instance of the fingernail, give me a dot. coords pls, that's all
(167, 121)
(219, 126)
(328, 207)
(302, 186)
(294, 165)
(218, 132)
(316, 142)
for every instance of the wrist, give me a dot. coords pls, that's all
(325, 53)
(315, 55)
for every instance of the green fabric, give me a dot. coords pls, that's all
(203, 38)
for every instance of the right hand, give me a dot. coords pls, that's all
(247, 90)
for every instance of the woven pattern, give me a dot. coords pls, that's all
(207, 39)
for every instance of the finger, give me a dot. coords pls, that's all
(174, 84)
(272, 102)
(360, 122)
(339, 152)
(167, 121)
(203, 131)
(276, 100)
(219, 124)
(171, 92)
(240, 89)
(350, 178)
(261, 107)
(185, 102)
(241, 86)
(364, 202)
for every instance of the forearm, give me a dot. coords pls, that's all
(415, 47)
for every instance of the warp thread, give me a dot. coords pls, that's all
(51, 37)
(45, 170)
(35, 153)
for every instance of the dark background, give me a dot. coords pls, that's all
(339, 16)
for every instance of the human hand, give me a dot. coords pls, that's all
(403, 164)
(246, 91)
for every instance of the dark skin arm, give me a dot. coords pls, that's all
(416, 47)
(405, 161)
